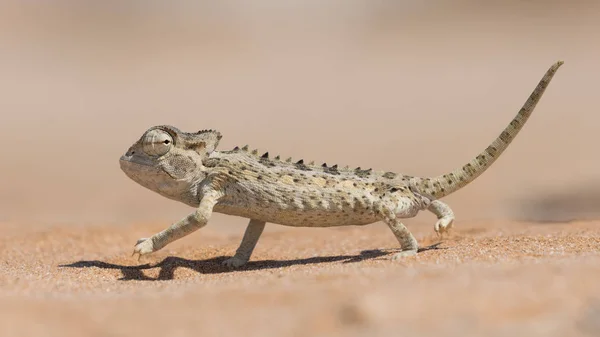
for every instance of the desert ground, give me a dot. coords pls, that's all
(486, 279)
(411, 87)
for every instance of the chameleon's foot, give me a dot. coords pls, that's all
(403, 254)
(143, 246)
(235, 262)
(444, 224)
(405, 238)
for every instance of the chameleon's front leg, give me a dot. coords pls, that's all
(191, 223)
(243, 253)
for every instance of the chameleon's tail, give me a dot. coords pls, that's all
(446, 184)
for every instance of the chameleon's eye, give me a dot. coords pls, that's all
(157, 143)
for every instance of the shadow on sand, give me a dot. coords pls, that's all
(214, 265)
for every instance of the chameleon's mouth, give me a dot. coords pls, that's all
(140, 171)
(136, 167)
(131, 160)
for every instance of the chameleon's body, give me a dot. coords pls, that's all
(187, 167)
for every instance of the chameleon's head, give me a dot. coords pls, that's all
(167, 160)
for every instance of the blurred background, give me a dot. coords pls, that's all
(408, 86)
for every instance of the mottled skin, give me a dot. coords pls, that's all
(187, 167)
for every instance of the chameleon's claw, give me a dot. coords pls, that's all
(138, 254)
(235, 262)
(142, 247)
(443, 225)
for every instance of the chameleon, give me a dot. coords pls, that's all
(188, 168)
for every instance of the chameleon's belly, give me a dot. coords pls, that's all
(298, 217)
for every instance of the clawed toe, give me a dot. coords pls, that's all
(142, 247)
(403, 254)
(234, 262)
(443, 225)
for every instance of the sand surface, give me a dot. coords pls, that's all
(406, 86)
(496, 279)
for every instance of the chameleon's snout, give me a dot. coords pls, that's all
(126, 157)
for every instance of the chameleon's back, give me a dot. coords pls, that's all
(296, 194)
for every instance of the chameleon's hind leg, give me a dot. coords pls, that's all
(407, 241)
(444, 214)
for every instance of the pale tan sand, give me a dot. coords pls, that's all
(494, 279)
